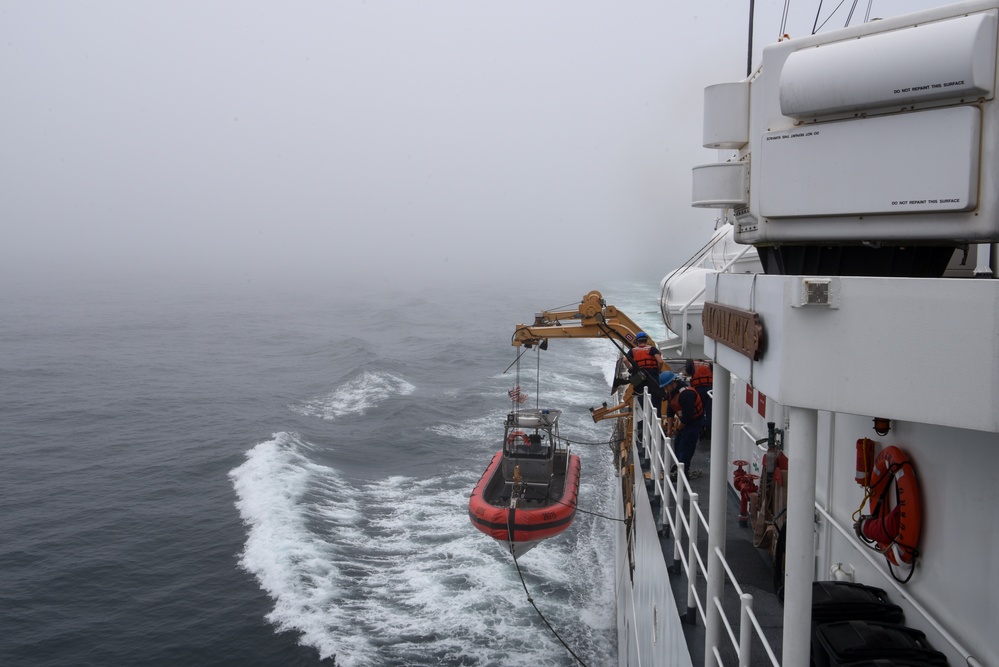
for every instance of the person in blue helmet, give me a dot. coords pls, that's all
(685, 410)
(700, 377)
(645, 361)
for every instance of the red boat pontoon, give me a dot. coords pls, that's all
(530, 488)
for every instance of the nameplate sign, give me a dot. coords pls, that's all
(741, 330)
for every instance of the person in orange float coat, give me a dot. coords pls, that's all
(701, 378)
(685, 404)
(645, 361)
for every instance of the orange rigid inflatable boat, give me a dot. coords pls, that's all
(529, 490)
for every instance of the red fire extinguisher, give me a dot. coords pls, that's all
(865, 461)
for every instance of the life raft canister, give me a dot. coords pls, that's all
(895, 529)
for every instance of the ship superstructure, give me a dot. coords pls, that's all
(861, 165)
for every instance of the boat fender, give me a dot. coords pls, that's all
(893, 528)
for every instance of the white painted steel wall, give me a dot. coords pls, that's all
(913, 349)
(649, 630)
(925, 354)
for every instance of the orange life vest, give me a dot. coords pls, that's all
(674, 403)
(644, 359)
(702, 376)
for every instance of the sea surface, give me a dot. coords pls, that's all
(255, 475)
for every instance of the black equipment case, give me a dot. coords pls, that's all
(847, 643)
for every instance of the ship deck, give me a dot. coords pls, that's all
(751, 566)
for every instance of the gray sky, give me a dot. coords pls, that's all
(360, 139)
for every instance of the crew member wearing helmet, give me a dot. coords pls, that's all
(685, 404)
(645, 362)
(700, 376)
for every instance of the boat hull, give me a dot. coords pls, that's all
(527, 526)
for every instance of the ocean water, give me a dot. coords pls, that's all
(253, 475)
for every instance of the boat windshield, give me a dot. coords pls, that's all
(531, 433)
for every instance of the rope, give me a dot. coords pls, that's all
(912, 569)
(528, 593)
(582, 511)
(882, 497)
(581, 442)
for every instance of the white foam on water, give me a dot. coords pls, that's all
(602, 355)
(458, 588)
(294, 565)
(394, 573)
(356, 396)
(488, 427)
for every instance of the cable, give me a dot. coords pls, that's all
(581, 442)
(831, 14)
(849, 17)
(522, 353)
(694, 259)
(568, 305)
(530, 599)
(537, 389)
(577, 508)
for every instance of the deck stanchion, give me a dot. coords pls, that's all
(650, 447)
(800, 556)
(657, 439)
(675, 568)
(721, 435)
(745, 629)
(668, 493)
(691, 618)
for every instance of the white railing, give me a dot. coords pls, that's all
(659, 448)
(686, 307)
(949, 638)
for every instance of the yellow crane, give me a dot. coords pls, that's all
(593, 318)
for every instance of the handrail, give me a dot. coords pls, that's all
(766, 645)
(969, 659)
(751, 615)
(682, 525)
(726, 623)
(749, 434)
(700, 264)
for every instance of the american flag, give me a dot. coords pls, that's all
(516, 395)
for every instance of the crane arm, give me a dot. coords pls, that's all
(592, 319)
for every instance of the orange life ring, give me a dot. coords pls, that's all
(516, 436)
(893, 527)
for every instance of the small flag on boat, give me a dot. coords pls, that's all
(516, 395)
